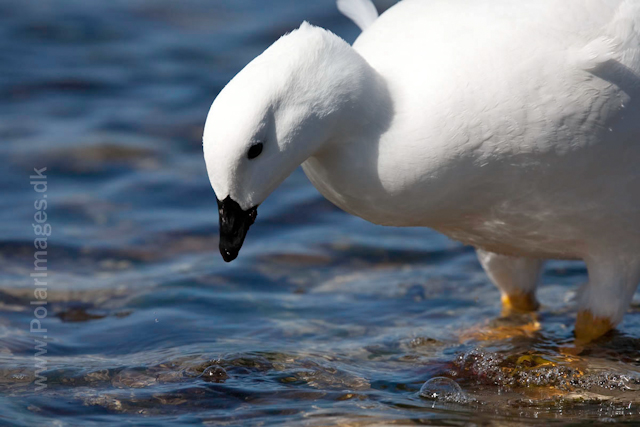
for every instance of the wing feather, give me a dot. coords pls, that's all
(598, 52)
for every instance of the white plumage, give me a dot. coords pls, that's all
(362, 12)
(510, 126)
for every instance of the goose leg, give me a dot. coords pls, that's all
(517, 279)
(604, 299)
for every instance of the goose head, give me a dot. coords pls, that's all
(276, 113)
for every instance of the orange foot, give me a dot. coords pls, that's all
(519, 303)
(590, 327)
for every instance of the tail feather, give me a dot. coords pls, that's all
(362, 12)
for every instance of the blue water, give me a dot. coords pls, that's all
(323, 320)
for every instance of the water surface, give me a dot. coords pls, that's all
(323, 320)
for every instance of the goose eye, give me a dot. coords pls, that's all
(255, 150)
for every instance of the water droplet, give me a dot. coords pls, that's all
(214, 374)
(443, 389)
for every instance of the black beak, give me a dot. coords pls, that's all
(234, 224)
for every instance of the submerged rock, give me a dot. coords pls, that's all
(214, 374)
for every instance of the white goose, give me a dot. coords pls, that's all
(510, 126)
